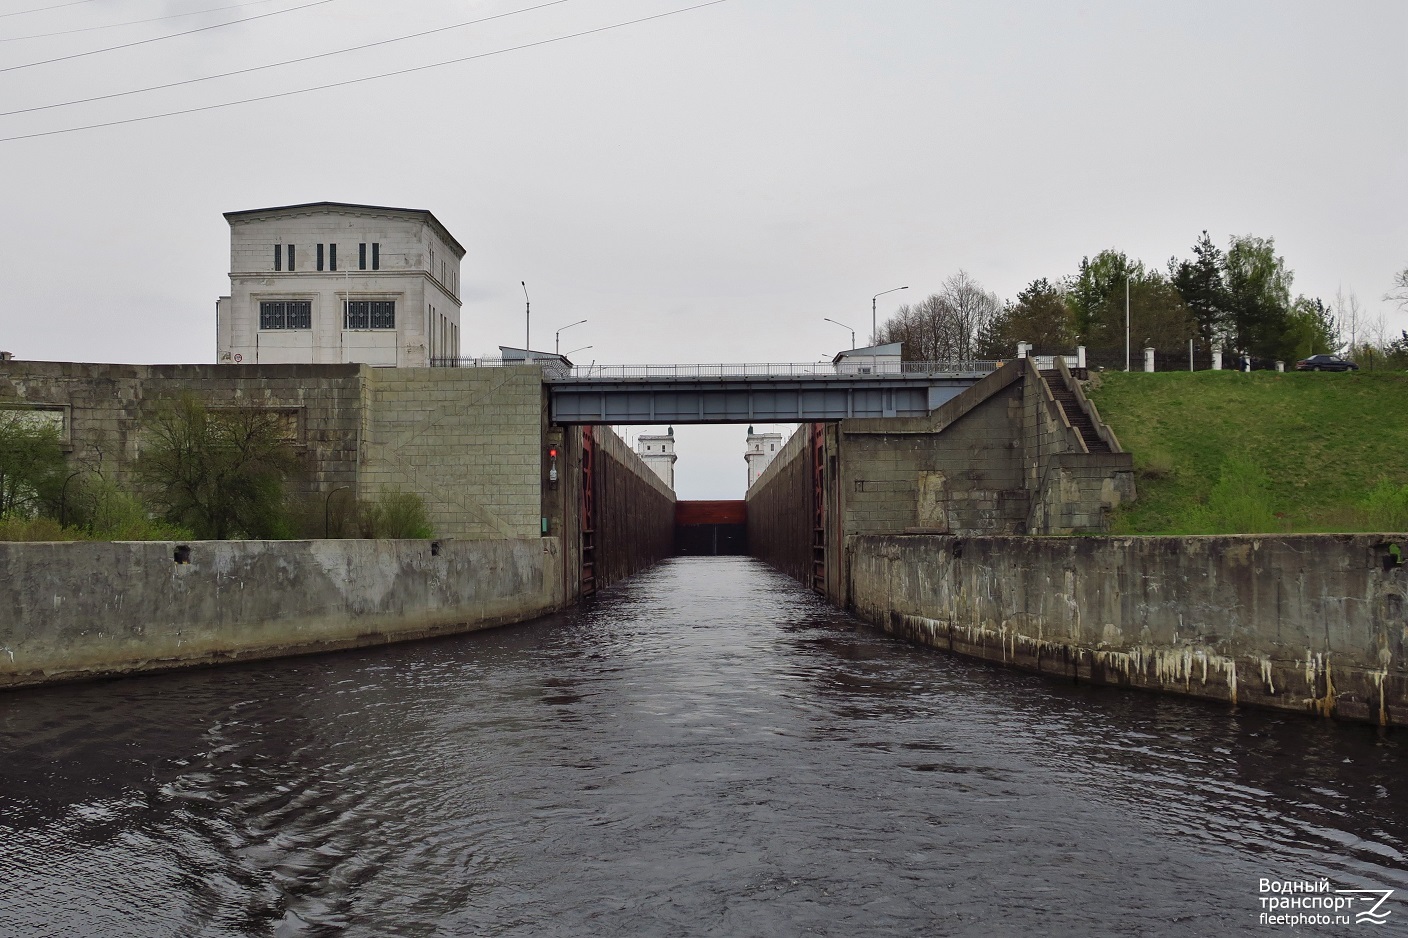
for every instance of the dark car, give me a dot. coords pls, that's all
(1325, 363)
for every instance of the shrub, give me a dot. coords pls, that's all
(1240, 502)
(111, 513)
(37, 529)
(396, 515)
(1386, 508)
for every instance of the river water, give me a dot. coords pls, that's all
(706, 749)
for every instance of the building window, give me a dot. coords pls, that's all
(290, 258)
(278, 257)
(361, 257)
(332, 257)
(286, 314)
(320, 257)
(369, 314)
(376, 256)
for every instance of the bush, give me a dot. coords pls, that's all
(396, 515)
(1386, 508)
(219, 472)
(37, 529)
(1240, 502)
(32, 465)
(109, 512)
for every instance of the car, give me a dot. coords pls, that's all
(1325, 363)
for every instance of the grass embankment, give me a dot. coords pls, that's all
(1227, 452)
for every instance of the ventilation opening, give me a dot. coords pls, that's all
(435, 548)
(182, 554)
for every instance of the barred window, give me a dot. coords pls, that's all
(286, 314)
(369, 314)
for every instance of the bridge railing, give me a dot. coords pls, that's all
(553, 369)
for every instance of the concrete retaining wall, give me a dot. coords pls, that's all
(780, 510)
(1315, 623)
(70, 611)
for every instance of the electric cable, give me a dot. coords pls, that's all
(357, 81)
(71, 3)
(259, 68)
(142, 42)
(154, 19)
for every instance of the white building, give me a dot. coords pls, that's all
(873, 359)
(658, 451)
(337, 282)
(762, 447)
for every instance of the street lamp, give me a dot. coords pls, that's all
(1126, 320)
(576, 350)
(527, 324)
(874, 333)
(557, 336)
(843, 326)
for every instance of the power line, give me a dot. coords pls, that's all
(259, 68)
(154, 19)
(72, 3)
(142, 42)
(356, 81)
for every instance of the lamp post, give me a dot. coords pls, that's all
(527, 323)
(843, 326)
(1126, 321)
(576, 350)
(557, 336)
(327, 510)
(874, 332)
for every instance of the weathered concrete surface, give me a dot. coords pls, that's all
(1314, 623)
(780, 510)
(70, 611)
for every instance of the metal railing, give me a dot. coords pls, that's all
(851, 368)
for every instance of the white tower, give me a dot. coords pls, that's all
(762, 447)
(658, 451)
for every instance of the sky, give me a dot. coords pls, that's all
(705, 186)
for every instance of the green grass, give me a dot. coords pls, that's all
(1222, 451)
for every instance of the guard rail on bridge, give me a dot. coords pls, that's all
(766, 392)
(555, 370)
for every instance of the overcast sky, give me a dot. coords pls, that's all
(702, 187)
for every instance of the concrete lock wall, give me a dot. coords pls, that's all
(1314, 623)
(780, 510)
(80, 610)
(634, 509)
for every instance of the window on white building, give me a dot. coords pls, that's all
(286, 314)
(369, 314)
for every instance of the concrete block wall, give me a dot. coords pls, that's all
(780, 526)
(903, 475)
(105, 407)
(470, 441)
(1315, 623)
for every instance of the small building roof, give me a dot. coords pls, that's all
(510, 354)
(891, 349)
(308, 207)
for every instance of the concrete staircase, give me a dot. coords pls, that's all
(1079, 419)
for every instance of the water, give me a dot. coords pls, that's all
(705, 750)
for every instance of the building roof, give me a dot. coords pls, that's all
(892, 350)
(307, 206)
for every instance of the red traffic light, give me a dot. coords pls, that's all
(552, 451)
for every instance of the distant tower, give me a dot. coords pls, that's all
(762, 447)
(659, 454)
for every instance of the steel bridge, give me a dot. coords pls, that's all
(746, 393)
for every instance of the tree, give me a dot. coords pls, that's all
(1311, 329)
(31, 464)
(1158, 317)
(219, 472)
(1040, 316)
(1202, 282)
(944, 326)
(1259, 292)
(1090, 290)
(1399, 293)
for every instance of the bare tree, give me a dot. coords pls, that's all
(944, 326)
(1399, 293)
